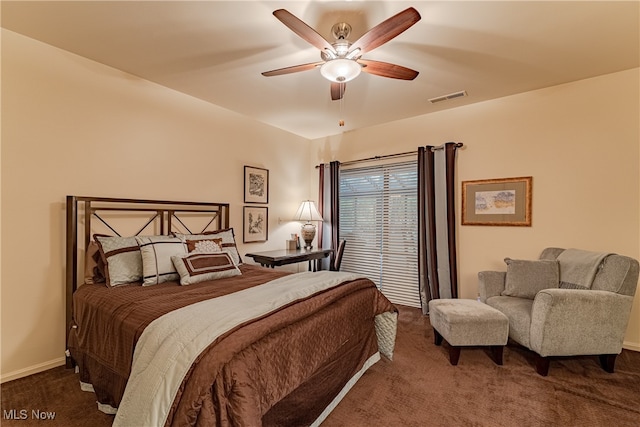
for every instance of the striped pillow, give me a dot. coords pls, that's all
(156, 252)
(121, 256)
(197, 267)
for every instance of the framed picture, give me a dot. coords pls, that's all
(256, 224)
(256, 185)
(505, 201)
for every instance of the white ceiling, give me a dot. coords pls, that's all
(216, 50)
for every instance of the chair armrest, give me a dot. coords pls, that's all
(568, 322)
(490, 284)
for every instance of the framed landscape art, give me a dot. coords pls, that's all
(256, 185)
(255, 224)
(505, 201)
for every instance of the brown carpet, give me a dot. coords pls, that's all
(419, 388)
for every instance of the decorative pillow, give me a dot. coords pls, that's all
(157, 251)
(122, 259)
(525, 278)
(94, 268)
(197, 267)
(205, 245)
(228, 241)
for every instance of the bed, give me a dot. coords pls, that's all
(246, 345)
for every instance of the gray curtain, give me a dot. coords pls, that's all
(328, 205)
(437, 254)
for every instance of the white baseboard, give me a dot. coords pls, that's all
(633, 346)
(40, 367)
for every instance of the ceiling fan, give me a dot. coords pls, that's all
(342, 60)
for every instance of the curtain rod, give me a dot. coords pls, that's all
(389, 156)
(441, 147)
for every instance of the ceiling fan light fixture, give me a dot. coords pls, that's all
(340, 70)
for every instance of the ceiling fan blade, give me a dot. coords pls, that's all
(385, 69)
(386, 30)
(302, 29)
(293, 69)
(337, 90)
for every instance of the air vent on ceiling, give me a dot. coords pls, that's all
(449, 96)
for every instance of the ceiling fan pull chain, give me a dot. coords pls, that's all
(341, 121)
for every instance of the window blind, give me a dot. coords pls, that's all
(379, 220)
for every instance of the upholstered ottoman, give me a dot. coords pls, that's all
(466, 322)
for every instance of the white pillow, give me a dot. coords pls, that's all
(157, 251)
(198, 267)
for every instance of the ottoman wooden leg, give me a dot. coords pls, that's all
(437, 338)
(497, 353)
(542, 365)
(454, 355)
(608, 362)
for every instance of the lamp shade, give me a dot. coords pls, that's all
(307, 212)
(340, 70)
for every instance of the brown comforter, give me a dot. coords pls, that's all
(282, 369)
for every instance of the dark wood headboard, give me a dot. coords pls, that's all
(164, 216)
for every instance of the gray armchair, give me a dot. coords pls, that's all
(554, 317)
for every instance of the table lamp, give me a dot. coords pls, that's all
(308, 212)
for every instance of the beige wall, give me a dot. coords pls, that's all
(579, 141)
(72, 126)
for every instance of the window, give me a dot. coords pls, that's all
(379, 220)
